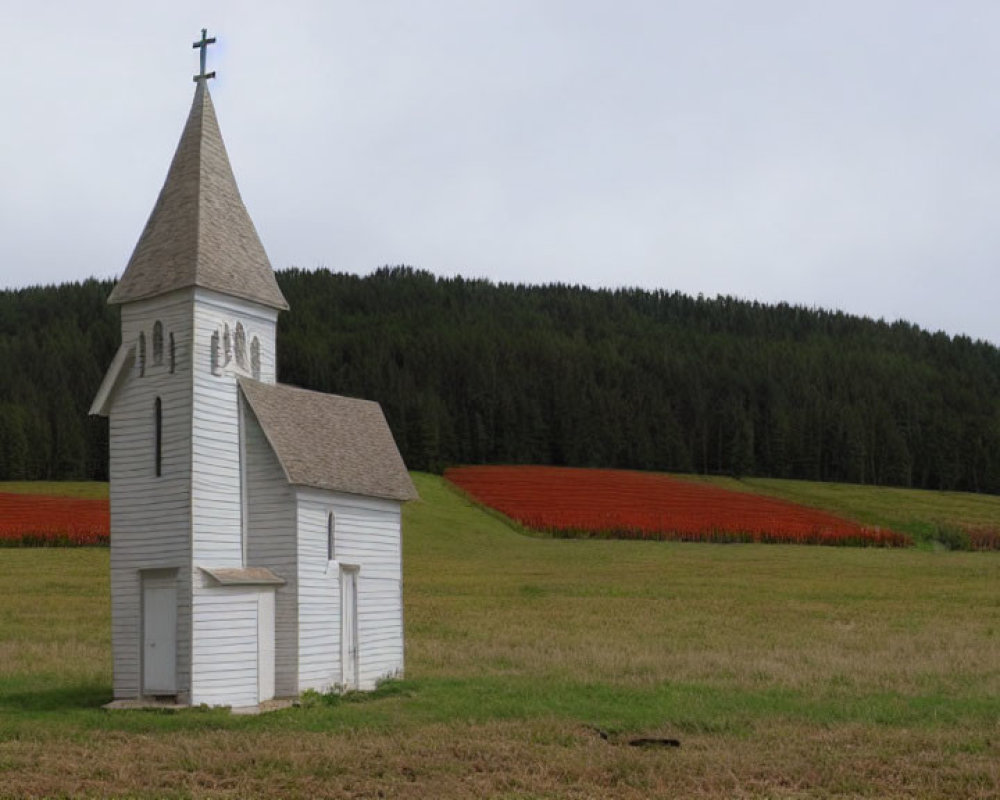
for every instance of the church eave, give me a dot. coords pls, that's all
(120, 365)
(132, 297)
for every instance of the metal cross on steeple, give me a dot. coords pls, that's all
(203, 45)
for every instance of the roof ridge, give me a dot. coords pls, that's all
(202, 84)
(315, 391)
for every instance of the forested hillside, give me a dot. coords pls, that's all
(55, 343)
(469, 371)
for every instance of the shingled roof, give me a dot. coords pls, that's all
(330, 442)
(199, 233)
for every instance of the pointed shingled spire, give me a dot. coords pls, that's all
(199, 233)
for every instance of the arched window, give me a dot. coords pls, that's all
(241, 346)
(215, 352)
(255, 358)
(158, 415)
(142, 354)
(173, 354)
(226, 345)
(157, 343)
(330, 550)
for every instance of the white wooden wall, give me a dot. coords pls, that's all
(271, 531)
(150, 515)
(216, 491)
(224, 644)
(368, 536)
(192, 516)
(222, 667)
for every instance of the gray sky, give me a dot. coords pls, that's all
(836, 154)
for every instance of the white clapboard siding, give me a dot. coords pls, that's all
(367, 535)
(319, 601)
(271, 544)
(150, 514)
(215, 310)
(380, 629)
(224, 639)
(222, 500)
(217, 514)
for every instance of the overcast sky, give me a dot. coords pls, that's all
(836, 154)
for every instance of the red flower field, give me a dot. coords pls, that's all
(636, 505)
(36, 520)
(984, 538)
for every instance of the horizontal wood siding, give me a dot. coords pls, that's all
(224, 644)
(319, 603)
(224, 641)
(271, 544)
(367, 536)
(150, 515)
(216, 491)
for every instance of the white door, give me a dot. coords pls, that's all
(265, 646)
(349, 627)
(159, 635)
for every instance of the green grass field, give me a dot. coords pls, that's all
(922, 514)
(85, 489)
(784, 671)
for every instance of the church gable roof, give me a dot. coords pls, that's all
(330, 442)
(199, 232)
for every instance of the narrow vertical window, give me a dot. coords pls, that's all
(226, 345)
(240, 346)
(158, 414)
(157, 343)
(330, 550)
(142, 354)
(173, 354)
(255, 358)
(215, 352)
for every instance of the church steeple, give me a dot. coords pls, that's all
(199, 233)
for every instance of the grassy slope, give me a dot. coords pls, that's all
(785, 671)
(914, 511)
(84, 489)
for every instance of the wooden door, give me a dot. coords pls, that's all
(349, 626)
(159, 635)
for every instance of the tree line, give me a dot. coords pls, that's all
(468, 371)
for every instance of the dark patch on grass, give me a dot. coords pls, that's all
(56, 697)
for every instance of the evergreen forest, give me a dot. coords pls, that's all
(468, 371)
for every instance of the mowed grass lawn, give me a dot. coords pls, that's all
(784, 671)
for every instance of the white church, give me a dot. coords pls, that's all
(255, 527)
